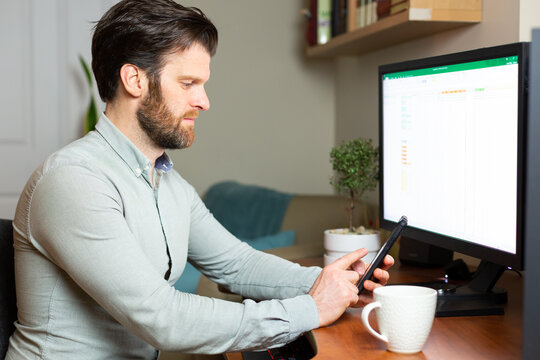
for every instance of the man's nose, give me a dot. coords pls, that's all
(201, 101)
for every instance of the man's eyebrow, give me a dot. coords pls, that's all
(190, 77)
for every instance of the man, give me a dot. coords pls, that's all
(104, 227)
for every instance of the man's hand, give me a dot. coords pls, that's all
(382, 277)
(335, 288)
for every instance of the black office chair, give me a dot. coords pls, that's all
(8, 303)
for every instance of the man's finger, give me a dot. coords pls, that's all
(359, 266)
(382, 276)
(352, 276)
(346, 261)
(369, 285)
(388, 262)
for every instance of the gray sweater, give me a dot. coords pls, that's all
(98, 249)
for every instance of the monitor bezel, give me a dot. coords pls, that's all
(462, 246)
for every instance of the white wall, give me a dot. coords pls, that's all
(43, 95)
(271, 120)
(529, 18)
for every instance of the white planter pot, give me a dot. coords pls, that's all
(336, 245)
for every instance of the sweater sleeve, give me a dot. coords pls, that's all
(242, 269)
(87, 237)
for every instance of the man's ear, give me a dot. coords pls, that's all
(134, 80)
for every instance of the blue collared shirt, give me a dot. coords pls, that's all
(98, 247)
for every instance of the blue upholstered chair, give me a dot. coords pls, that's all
(8, 304)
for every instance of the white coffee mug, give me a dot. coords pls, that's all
(405, 315)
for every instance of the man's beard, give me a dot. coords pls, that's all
(159, 123)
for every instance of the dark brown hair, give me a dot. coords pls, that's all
(142, 32)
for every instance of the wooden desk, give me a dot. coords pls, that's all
(475, 337)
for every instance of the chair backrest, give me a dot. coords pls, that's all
(8, 304)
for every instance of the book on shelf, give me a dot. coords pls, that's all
(398, 6)
(371, 12)
(366, 12)
(310, 13)
(383, 8)
(324, 19)
(374, 15)
(361, 14)
(351, 14)
(339, 17)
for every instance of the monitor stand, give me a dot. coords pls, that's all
(478, 297)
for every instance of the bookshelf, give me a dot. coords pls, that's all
(413, 23)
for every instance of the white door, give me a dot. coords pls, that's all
(43, 95)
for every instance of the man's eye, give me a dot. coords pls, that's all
(188, 84)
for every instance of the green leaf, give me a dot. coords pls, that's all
(92, 114)
(87, 71)
(91, 118)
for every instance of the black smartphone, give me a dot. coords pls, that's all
(382, 253)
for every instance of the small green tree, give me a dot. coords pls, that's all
(356, 170)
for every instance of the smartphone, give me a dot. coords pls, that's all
(382, 253)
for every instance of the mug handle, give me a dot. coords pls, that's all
(365, 319)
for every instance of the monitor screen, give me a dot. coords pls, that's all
(451, 145)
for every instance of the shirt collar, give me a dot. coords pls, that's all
(131, 155)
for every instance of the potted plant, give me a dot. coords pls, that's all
(356, 172)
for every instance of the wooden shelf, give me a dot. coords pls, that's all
(399, 28)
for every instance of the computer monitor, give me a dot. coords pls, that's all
(452, 151)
